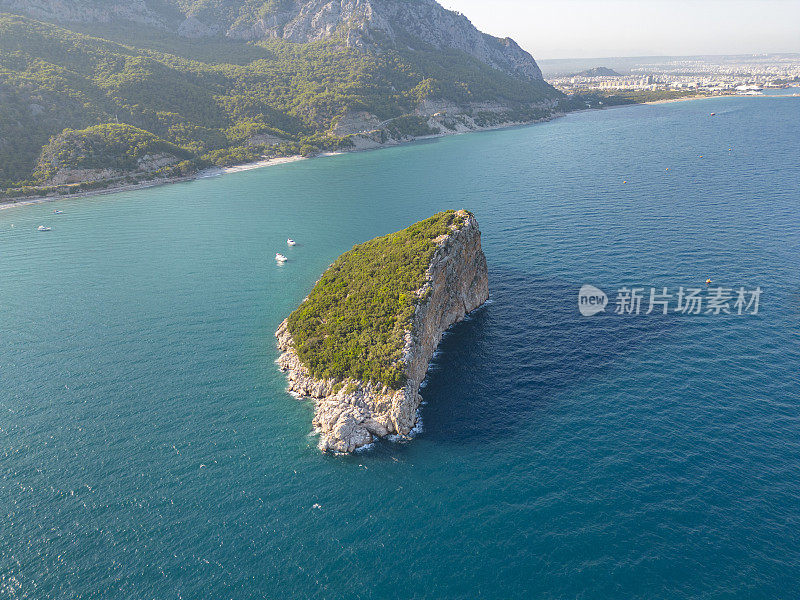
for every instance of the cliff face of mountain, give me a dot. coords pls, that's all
(399, 22)
(419, 24)
(352, 414)
(85, 11)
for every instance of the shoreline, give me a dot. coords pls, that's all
(684, 99)
(213, 172)
(204, 174)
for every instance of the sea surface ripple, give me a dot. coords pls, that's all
(148, 448)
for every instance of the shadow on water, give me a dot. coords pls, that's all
(494, 372)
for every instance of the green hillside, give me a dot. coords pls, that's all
(122, 148)
(211, 97)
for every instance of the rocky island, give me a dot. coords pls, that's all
(360, 344)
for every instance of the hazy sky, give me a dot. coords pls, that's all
(599, 28)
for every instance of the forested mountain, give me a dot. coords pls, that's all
(104, 90)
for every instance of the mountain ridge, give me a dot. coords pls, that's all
(359, 22)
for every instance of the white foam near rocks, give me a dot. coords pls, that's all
(366, 448)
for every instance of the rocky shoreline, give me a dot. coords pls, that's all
(352, 414)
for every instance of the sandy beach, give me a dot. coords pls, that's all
(204, 174)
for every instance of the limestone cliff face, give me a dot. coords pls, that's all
(364, 22)
(83, 11)
(416, 23)
(442, 118)
(353, 414)
(148, 164)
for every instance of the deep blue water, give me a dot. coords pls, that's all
(148, 448)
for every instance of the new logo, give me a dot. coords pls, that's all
(591, 300)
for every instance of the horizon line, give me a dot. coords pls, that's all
(750, 54)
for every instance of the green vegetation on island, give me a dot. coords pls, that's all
(353, 323)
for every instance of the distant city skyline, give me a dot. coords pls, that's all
(604, 28)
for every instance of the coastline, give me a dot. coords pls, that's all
(703, 97)
(219, 171)
(204, 174)
(684, 99)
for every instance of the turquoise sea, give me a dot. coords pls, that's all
(148, 449)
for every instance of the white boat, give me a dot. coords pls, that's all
(58, 212)
(42, 228)
(280, 258)
(291, 242)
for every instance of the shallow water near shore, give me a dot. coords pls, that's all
(148, 448)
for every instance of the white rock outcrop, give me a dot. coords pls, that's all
(149, 164)
(352, 414)
(360, 22)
